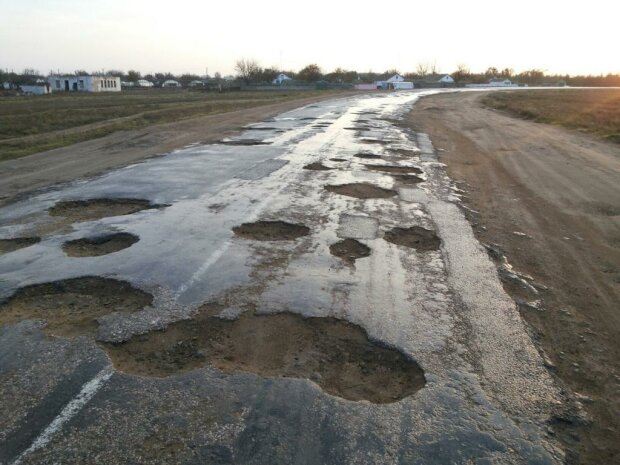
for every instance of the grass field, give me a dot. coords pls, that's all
(33, 124)
(595, 111)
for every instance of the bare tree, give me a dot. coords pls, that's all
(421, 69)
(248, 69)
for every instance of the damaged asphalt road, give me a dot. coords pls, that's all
(222, 304)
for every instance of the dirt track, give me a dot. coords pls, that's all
(561, 190)
(27, 174)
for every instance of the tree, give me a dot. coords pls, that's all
(133, 76)
(422, 69)
(310, 73)
(248, 69)
(491, 72)
(269, 74)
(462, 73)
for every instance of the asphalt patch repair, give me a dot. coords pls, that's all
(271, 231)
(361, 190)
(100, 245)
(415, 237)
(10, 245)
(71, 307)
(95, 209)
(335, 354)
(349, 250)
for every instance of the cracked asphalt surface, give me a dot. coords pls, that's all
(488, 399)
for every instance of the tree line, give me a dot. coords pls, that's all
(250, 72)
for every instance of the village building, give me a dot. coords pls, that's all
(86, 83)
(434, 80)
(171, 83)
(280, 78)
(36, 88)
(396, 82)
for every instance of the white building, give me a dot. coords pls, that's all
(85, 83)
(36, 89)
(395, 82)
(280, 78)
(171, 83)
(144, 83)
(495, 82)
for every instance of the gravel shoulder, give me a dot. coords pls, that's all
(549, 200)
(41, 170)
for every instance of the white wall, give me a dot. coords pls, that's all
(85, 83)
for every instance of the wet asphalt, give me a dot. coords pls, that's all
(488, 398)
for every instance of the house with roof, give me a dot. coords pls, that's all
(85, 83)
(280, 78)
(395, 82)
(434, 80)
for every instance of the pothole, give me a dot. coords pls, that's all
(271, 231)
(94, 209)
(349, 250)
(372, 140)
(338, 159)
(394, 169)
(361, 190)
(415, 237)
(407, 178)
(370, 156)
(317, 166)
(244, 142)
(10, 245)
(71, 307)
(100, 245)
(335, 354)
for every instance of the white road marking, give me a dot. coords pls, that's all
(71, 409)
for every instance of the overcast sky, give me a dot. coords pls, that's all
(189, 36)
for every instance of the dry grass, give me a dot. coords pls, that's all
(33, 124)
(595, 111)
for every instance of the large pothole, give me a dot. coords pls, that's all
(361, 190)
(71, 307)
(317, 166)
(10, 245)
(100, 245)
(349, 250)
(415, 237)
(271, 231)
(368, 156)
(244, 142)
(335, 354)
(94, 209)
(407, 178)
(394, 169)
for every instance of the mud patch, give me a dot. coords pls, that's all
(95, 209)
(367, 156)
(271, 231)
(335, 354)
(100, 245)
(71, 307)
(361, 190)
(349, 250)
(407, 178)
(338, 159)
(10, 245)
(317, 167)
(415, 237)
(394, 169)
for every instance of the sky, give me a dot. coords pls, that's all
(191, 36)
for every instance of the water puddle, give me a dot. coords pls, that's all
(415, 237)
(71, 307)
(361, 190)
(349, 250)
(271, 231)
(100, 245)
(336, 355)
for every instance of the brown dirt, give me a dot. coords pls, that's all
(10, 245)
(70, 307)
(349, 250)
(361, 190)
(26, 174)
(271, 231)
(317, 166)
(101, 245)
(394, 169)
(94, 209)
(561, 188)
(415, 237)
(335, 354)
(367, 155)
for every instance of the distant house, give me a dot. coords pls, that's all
(86, 83)
(280, 78)
(495, 82)
(144, 83)
(196, 83)
(396, 82)
(171, 83)
(434, 80)
(36, 88)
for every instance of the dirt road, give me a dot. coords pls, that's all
(27, 174)
(549, 199)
